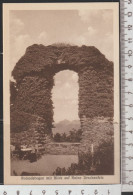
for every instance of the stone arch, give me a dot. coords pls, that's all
(34, 74)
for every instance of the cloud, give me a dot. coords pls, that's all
(65, 91)
(98, 30)
(87, 15)
(93, 38)
(19, 44)
(86, 37)
(20, 39)
(16, 25)
(107, 46)
(41, 38)
(99, 20)
(91, 31)
(67, 85)
(96, 16)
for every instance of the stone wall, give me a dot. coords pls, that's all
(62, 148)
(95, 132)
(34, 74)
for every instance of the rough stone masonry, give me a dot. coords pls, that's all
(34, 74)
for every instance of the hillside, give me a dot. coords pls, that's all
(65, 126)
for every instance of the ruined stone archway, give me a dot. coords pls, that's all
(34, 74)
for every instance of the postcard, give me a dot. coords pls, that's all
(61, 93)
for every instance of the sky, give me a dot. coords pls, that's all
(78, 27)
(65, 96)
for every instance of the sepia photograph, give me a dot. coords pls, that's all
(61, 79)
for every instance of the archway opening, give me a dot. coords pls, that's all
(65, 102)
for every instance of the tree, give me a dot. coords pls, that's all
(64, 137)
(57, 137)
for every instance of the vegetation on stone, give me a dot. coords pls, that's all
(34, 74)
(32, 106)
(100, 163)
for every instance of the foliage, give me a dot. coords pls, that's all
(73, 136)
(21, 121)
(57, 137)
(34, 74)
(39, 58)
(104, 156)
(31, 95)
(61, 45)
(99, 163)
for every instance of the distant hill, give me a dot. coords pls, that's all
(65, 126)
